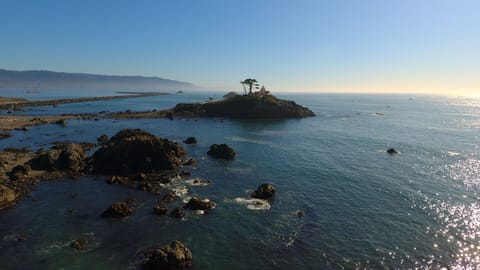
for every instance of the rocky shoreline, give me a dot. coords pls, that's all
(132, 158)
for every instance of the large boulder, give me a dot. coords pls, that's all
(71, 158)
(221, 151)
(199, 204)
(120, 209)
(264, 191)
(133, 151)
(7, 196)
(170, 257)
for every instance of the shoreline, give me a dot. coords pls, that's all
(19, 103)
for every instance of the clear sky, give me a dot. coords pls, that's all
(296, 45)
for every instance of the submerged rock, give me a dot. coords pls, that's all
(61, 122)
(190, 140)
(264, 191)
(160, 209)
(4, 135)
(7, 196)
(177, 213)
(392, 151)
(120, 209)
(221, 151)
(199, 204)
(79, 244)
(133, 151)
(170, 257)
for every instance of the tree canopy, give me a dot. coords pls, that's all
(250, 83)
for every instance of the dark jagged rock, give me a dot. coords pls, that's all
(190, 140)
(245, 107)
(7, 196)
(199, 204)
(133, 151)
(264, 191)
(171, 257)
(392, 151)
(120, 209)
(177, 213)
(103, 139)
(221, 151)
(160, 209)
(19, 172)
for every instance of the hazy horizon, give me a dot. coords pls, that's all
(428, 47)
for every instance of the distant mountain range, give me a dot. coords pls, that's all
(42, 79)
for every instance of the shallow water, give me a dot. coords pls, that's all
(364, 209)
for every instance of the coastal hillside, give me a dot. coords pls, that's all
(245, 107)
(41, 79)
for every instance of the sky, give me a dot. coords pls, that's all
(401, 46)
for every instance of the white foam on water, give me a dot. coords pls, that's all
(452, 154)
(253, 204)
(198, 182)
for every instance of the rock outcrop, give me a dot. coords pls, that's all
(134, 151)
(120, 209)
(68, 157)
(264, 191)
(71, 158)
(7, 196)
(174, 256)
(221, 151)
(392, 151)
(199, 204)
(190, 140)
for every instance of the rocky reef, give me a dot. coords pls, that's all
(244, 107)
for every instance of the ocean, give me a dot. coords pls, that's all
(363, 208)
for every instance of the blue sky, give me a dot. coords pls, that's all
(325, 46)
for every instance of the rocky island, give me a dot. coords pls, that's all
(244, 107)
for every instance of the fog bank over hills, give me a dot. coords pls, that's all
(42, 79)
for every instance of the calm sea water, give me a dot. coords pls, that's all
(364, 209)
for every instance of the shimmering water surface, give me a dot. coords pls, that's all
(364, 209)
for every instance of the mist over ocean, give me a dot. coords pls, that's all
(364, 208)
